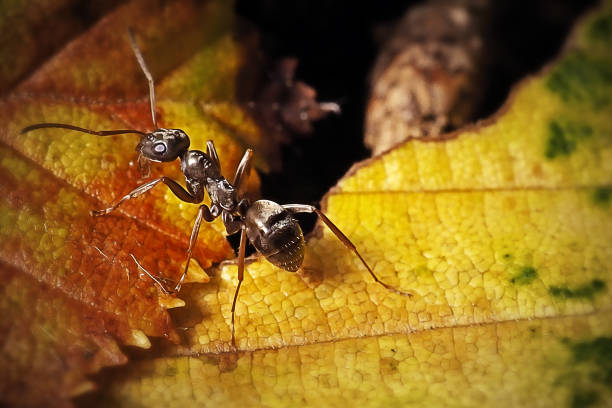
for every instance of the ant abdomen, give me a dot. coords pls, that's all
(275, 234)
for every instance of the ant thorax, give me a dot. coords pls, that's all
(199, 168)
(222, 193)
(197, 165)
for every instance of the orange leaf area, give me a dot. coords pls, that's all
(500, 231)
(48, 233)
(70, 286)
(95, 82)
(50, 342)
(21, 24)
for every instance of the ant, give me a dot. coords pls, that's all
(270, 227)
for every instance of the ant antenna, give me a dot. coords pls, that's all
(146, 72)
(144, 68)
(80, 129)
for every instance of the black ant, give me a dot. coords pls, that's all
(270, 227)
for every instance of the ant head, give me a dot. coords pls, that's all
(163, 145)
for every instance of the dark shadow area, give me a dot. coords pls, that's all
(334, 42)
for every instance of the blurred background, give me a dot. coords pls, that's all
(337, 42)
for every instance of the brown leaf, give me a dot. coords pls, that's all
(32, 31)
(71, 289)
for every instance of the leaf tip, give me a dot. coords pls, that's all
(195, 273)
(171, 302)
(139, 339)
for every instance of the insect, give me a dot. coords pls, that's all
(270, 227)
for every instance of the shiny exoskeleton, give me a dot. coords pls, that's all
(276, 234)
(270, 227)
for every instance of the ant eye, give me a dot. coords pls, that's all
(159, 148)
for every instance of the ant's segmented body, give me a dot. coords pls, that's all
(269, 226)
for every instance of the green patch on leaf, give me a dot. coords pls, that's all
(600, 29)
(171, 372)
(584, 398)
(586, 291)
(581, 78)
(601, 196)
(558, 144)
(591, 370)
(597, 355)
(597, 351)
(563, 136)
(526, 275)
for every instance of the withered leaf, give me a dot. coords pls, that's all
(71, 291)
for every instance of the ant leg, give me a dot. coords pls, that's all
(144, 165)
(146, 72)
(212, 152)
(203, 212)
(232, 223)
(254, 257)
(176, 188)
(243, 168)
(241, 251)
(298, 208)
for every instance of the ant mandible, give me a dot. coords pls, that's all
(270, 227)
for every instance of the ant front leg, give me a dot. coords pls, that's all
(243, 169)
(176, 188)
(144, 165)
(241, 252)
(209, 214)
(212, 152)
(302, 208)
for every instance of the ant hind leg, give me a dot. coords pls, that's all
(254, 257)
(303, 208)
(241, 251)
